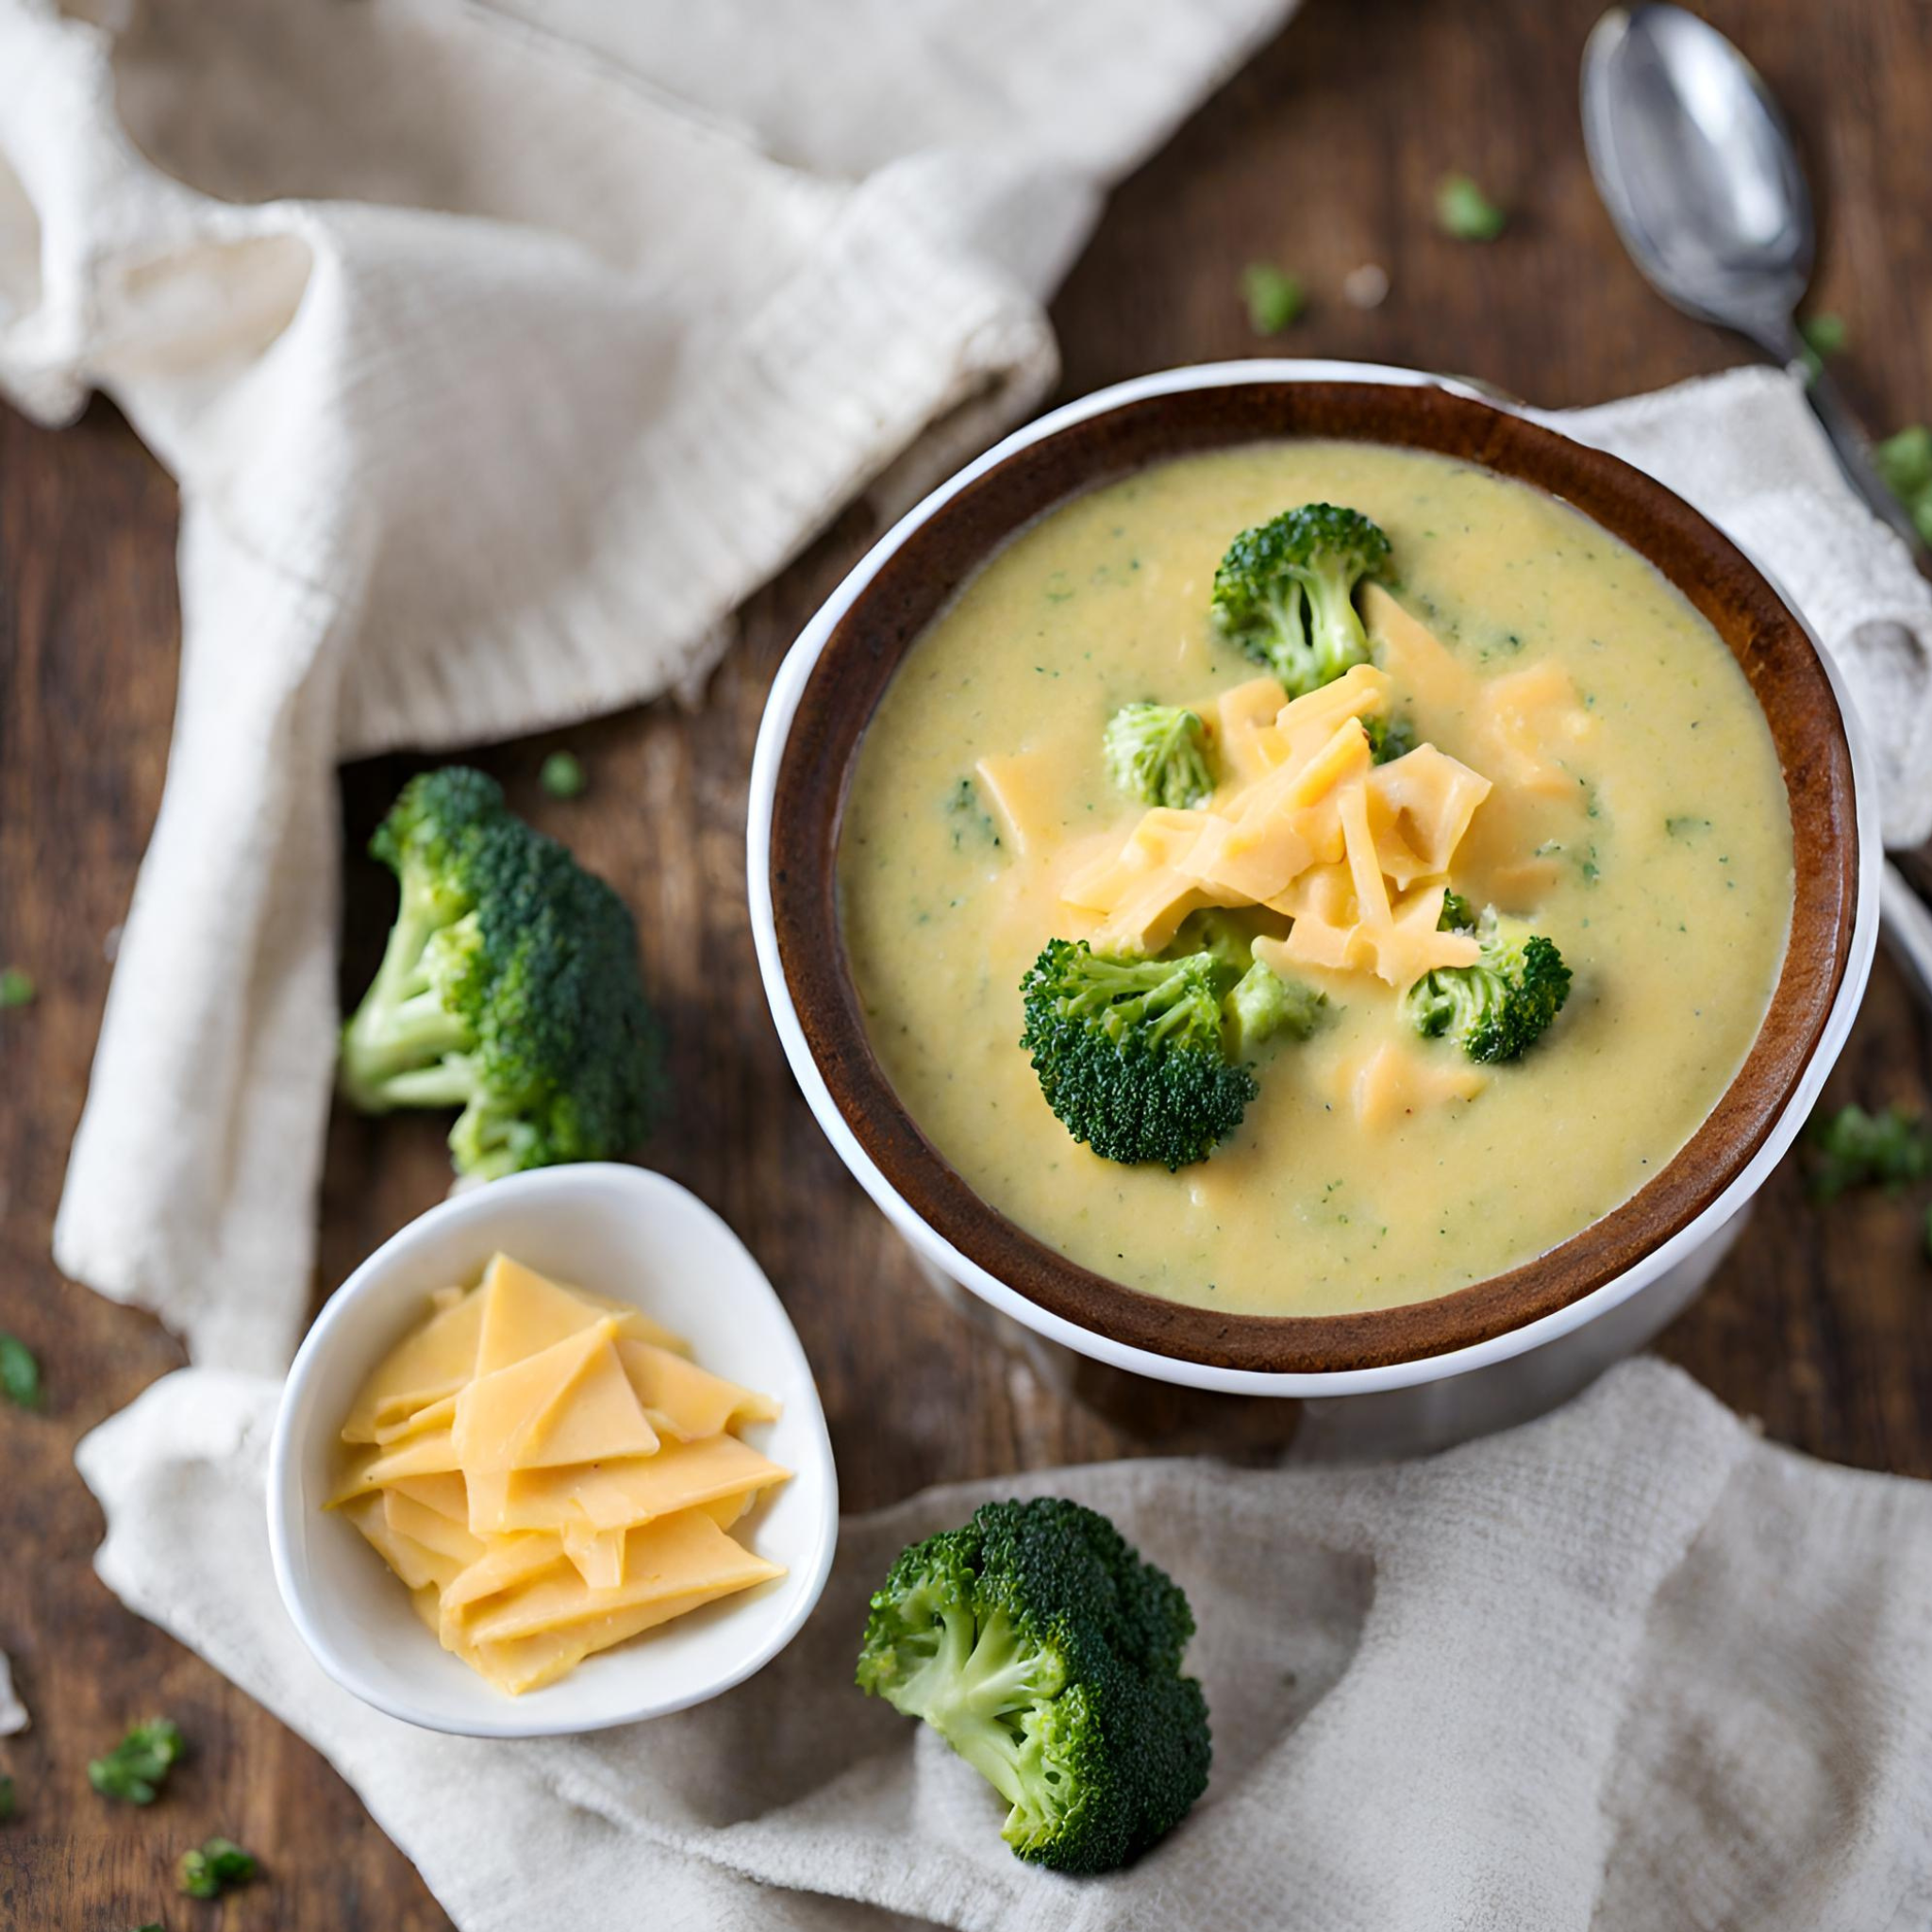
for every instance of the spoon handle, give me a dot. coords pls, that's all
(1853, 452)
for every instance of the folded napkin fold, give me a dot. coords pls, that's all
(1624, 1668)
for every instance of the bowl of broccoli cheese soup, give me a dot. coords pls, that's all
(1294, 878)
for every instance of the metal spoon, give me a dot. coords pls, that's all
(1700, 174)
(1698, 170)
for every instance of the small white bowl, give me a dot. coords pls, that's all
(618, 1231)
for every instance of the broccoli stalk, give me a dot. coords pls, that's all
(1044, 1650)
(405, 1045)
(509, 987)
(1497, 1009)
(1130, 1053)
(1284, 592)
(1159, 753)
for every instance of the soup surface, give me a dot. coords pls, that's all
(1376, 1167)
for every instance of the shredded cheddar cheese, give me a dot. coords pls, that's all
(1356, 855)
(1307, 825)
(550, 1474)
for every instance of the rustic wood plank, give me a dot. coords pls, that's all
(1818, 1323)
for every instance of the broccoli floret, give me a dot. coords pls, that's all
(1388, 738)
(1159, 753)
(1259, 1003)
(1497, 1009)
(1047, 1653)
(509, 987)
(1215, 929)
(1458, 914)
(1284, 592)
(1130, 1053)
(1264, 1004)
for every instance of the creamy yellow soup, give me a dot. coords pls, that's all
(1361, 1177)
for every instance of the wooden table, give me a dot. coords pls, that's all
(1322, 155)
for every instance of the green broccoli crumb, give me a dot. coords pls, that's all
(17, 988)
(1458, 914)
(1046, 1651)
(137, 1767)
(1464, 212)
(563, 776)
(10, 1800)
(970, 817)
(1856, 1149)
(1274, 298)
(217, 1866)
(20, 1373)
(1825, 333)
(1905, 461)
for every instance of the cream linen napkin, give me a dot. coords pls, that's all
(1627, 1668)
(499, 352)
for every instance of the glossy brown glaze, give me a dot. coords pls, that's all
(917, 581)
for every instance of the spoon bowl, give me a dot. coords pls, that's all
(1698, 169)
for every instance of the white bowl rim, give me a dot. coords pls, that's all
(521, 1718)
(775, 727)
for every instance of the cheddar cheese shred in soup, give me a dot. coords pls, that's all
(1313, 878)
(550, 1474)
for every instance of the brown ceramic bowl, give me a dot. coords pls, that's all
(825, 695)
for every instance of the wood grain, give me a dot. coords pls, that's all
(1819, 1323)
